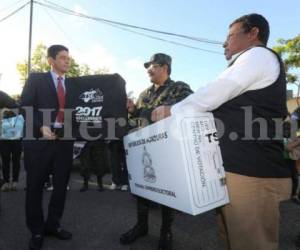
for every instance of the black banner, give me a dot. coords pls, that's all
(99, 107)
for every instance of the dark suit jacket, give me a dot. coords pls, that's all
(39, 93)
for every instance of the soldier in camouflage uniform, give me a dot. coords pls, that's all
(94, 160)
(164, 91)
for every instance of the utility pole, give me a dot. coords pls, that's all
(30, 38)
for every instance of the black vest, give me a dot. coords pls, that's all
(255, 150)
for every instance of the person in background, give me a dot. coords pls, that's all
(291, 155)
(11, 150)
(5, 102)
(94, 160)
(118, 168)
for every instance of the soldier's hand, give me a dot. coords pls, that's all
(160, 113)
(130, 105)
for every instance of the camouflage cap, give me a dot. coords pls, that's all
(159, 58)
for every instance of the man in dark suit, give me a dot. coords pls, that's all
(43, 102)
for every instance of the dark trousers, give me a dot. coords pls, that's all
(295, 183)
(118, 163)
(167, 214)
(94, 160)
(124, 175)
(11, 152)
(55, 158)
(292, 166)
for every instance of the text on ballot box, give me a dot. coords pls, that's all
(177, 162)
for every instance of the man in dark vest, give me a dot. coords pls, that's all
(249, 100)
(46, 153)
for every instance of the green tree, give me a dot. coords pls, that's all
(85, 69)
(74, 69)
(39, 63)
(289, 50)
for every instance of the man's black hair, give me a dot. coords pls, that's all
(55, 49)
(169, 69)
(255, 20)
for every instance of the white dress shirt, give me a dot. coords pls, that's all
(254, 69)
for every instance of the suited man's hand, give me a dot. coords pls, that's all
(160, 113)
(47, 133)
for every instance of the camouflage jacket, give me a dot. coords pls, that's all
(168, 94)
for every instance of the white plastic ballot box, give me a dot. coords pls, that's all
(177, 162)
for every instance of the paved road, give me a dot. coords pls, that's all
(97, 220)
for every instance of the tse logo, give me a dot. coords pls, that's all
(212, 136)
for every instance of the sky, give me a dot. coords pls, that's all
(100, 45)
